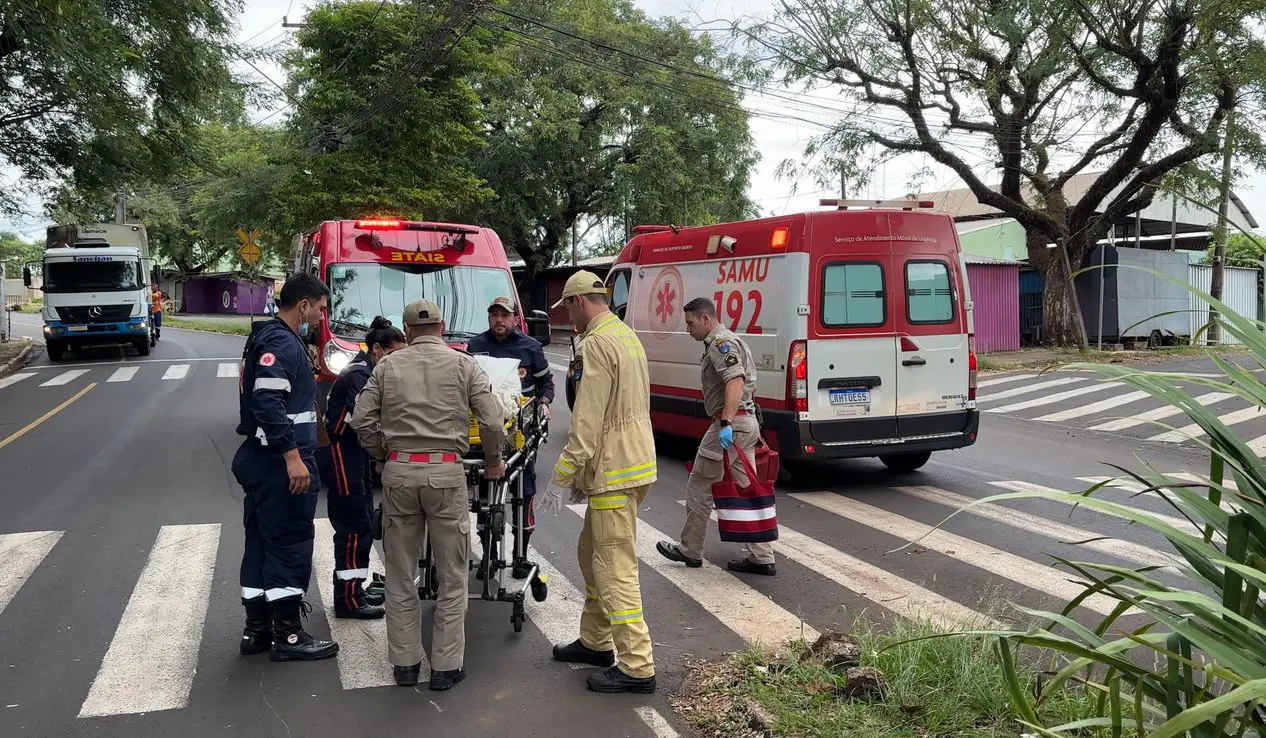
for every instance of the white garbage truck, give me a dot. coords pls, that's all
(96, 287)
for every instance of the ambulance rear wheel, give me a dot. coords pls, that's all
(906, 463)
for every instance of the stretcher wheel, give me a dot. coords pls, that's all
(540, 590)
(517, 617)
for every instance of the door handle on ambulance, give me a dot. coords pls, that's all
(916, 361)
(849, 383)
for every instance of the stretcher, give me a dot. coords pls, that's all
(494, 503)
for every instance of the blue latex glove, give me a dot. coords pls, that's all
(727, 437)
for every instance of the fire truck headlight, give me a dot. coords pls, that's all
(337, 358)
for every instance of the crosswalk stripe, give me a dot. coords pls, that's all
(362, 644)
(1041, 526)
(1159, 413)
(1051, 399)
(15, 378)
(1018, 486)
(1095, 407)
(65, 378)
(21, 554)
(1001, 563)
(1193, 430)
(176, 371)
(1258, 445)
(1134, 487)
(889, 591)
(124, 375)
(656, 722)
(147, 666)
(558, 617)
(227, 369)
(1017, 391)
(1002, 380)
(752, 615)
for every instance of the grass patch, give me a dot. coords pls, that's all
(1044, 358)
(211, 326)
(937, 687)
(10, 349)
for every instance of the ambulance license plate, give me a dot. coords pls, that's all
(850, 397)
(78, 328)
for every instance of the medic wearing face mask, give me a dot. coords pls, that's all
(277, 469)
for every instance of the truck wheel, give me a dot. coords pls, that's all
(142, 347)
(56, 350)
(905, 463)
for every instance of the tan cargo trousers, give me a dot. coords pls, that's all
(421, 500)
(709, 468)
(607, 552)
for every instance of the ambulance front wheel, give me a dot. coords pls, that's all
(56, 350)
(906, 463)
(142, 346)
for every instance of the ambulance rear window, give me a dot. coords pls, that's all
(929, 298)
(853, 295)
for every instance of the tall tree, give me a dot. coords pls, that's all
(597, 116)
(1041, 91)
(107, 91)
(386, 119)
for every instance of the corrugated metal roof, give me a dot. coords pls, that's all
(978, 259)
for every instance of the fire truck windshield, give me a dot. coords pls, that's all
(364, 291)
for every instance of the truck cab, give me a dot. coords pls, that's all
(95, 285)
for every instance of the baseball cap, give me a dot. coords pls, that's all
(503, 303)
(581, 283)
(422, 312)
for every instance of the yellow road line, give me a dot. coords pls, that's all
(46, 416)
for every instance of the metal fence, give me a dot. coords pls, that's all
(1239, 292)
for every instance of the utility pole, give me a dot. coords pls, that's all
(843, 182)
(1221, 233)
(573, 243)
(120, 206)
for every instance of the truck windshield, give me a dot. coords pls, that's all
(92, 276)
(364, 291)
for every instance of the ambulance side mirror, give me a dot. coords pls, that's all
(538, 326)
(26, 276)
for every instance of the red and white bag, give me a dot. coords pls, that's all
(747, 514)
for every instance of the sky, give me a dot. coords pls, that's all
(776, 139)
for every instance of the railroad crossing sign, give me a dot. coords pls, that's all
(249, 251)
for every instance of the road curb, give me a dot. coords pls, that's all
(18, 361)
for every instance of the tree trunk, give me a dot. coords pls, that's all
(1220, 235)
(1061, 312)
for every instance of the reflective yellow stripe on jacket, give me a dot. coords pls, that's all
(631, 474)
(608, 502)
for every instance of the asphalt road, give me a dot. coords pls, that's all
(121, 537)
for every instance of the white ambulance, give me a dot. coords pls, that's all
(858, 318)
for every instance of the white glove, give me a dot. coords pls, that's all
(553, 499)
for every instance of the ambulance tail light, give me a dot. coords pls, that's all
(798, 377)
(779, 239)
(971, 375)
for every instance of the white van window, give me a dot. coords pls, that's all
(929, 298)
(620, 293)
(853, 295)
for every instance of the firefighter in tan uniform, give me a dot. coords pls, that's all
(729, 398)
(609, 464)
(414, 414)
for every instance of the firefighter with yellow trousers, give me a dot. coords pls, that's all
(609, 464)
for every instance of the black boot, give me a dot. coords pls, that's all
(614, 681)
(290, 641)
(358, 608)
(373, 595)
(577, 652)
(257, 636)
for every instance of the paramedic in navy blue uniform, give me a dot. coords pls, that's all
(503, 340)
(345, 470)
(276, 467)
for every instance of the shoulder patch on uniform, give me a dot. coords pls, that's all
(268, 359)
(731, 360)
(724, 347)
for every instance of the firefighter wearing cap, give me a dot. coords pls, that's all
(277, 470)
(504, 340)
(729, 398)
(414, 414)
(609, 464)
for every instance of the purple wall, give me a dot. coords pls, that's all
(995, 292)
(205, 295)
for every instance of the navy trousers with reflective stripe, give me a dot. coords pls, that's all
(349, 505)
(278, 554)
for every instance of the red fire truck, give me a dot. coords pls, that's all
(378, 266)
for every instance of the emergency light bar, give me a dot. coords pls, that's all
(389, 224)
(903, 204)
